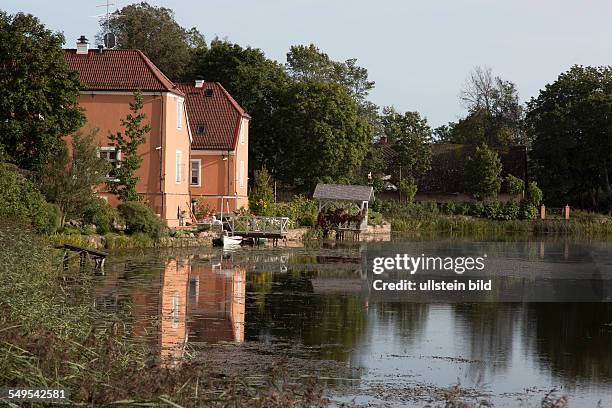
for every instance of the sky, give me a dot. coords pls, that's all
(419, 53)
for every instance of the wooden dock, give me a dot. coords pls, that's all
(85, 254)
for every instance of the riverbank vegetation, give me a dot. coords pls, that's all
(61, 341)
(477, 219)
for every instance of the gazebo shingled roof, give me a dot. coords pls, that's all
(342, 192)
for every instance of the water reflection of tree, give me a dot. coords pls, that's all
(573, 340)
(292, 311)
(405, 321)
(489, 330)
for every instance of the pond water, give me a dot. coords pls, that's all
(401, 351)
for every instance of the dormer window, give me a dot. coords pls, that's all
(201, 130)
(208, 92)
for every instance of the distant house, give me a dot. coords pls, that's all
(218, 169)
(445, 180)
(109, 79)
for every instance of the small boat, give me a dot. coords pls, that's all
(231, 242)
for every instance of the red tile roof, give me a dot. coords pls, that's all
(218, 116)
(118, 70)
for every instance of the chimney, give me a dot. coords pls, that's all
(199, 83)
(82, 45)
(382, 140)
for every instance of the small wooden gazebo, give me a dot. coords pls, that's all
(351, 195)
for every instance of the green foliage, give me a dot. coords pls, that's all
(375, 218)
(411, 136)
(527, 211)
(571, 122)
(38, 102)
(154, 31)
(534, 194)
(513, 185)
(101, 214)
(140, 218)
(308, 63)
(408, 188)
(482, 173)
(324, 136)
(69, 182)
(257, 84)
(127, 143)
(21, 200)
(262, 196)
(301, 211)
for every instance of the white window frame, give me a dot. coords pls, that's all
(179, 113)
(178, 167)
(199, 167)
(242, 132)
(115, 163)
(241, 170)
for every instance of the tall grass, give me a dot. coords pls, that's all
(51, 337)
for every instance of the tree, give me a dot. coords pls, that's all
(39, 98)
(262, 196)
(154, 31)
(257, 84)
(127, 143)
(571, 125)
(483, 173)
(325, 138)
(69, 182)
(410, 135)
(495, 116)
(310, 63)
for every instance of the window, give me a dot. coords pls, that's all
(194, 172)
(242, 131)
(201, 130)
(179, 155)
(241, 173)
(179, 113)
(113, 156)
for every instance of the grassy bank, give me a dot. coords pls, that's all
(52, 337)
(115, 241)
(430, 218)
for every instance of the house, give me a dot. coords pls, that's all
(109, 79)
(445, 179)
(218, 168)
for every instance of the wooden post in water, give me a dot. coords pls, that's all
(567, 212)
(543, 212)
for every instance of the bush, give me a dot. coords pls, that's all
(527, 211)
(140, 218)
(534, 194)
(101, 214)
(482, 173)
(374, 218)
(409, 188)
(21, 200)
(301, 211)
(513, 185)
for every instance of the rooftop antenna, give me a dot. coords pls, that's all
(108, 37)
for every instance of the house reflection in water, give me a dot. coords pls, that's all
(200, 303)
(216, 303)
(173, 314)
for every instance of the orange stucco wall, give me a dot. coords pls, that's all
(221, 177)
(104, 111)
